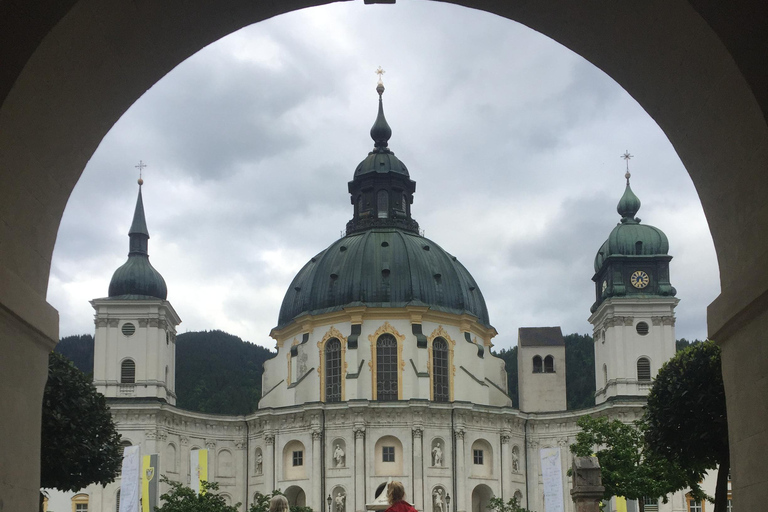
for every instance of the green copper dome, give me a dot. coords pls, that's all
(383, 268)
(629, 237)
(137, 278)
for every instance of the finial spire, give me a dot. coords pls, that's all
(626, 156)
(140, 167)
(380, 132)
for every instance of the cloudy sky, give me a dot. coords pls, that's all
(251, 142)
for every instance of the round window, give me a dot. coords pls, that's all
(128, 329)
(642, 328)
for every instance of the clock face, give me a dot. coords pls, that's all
(639, 279)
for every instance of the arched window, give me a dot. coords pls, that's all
(549, 364)
(644, 369)
(128, 372)
(386, 368)
(538, 367)
(333, 370)
(382, 204)
(440, 383)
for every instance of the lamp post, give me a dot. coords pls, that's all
(448, 502)
(329, 500)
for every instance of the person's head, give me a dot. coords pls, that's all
(278, 503)
(395, 492)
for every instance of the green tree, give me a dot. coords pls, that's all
(687, 418)
(627, 467)
(579, 371)
(498, 505)
(80, 444)
(180, 498)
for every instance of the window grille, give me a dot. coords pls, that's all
(386, 368)
(333, 370)
(298, 458)
(388, 454)
(644, 369)
(440, 377)
(128, 372)
(477, 457)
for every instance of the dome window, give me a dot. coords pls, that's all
(426, 247)
(440, 379)
(333, 370)
(385, 272)
(642, 328)
(342, 248)
(128, 329)
(334, 277)
(383, 204)
(386, 368)
(638, 247)
(385, 244)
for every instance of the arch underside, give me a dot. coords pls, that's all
(701, 75)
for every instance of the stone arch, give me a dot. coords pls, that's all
(481, 459)
(686, 72)
(438, 494)
(481, 497)
(294, 460)
(339, 498)
(227, 498)
(388, 457)
(171, 464)
(519, 497)
(296, 496)
(225, 464)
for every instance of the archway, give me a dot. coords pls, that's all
(481, 497)
(71, 68)
(296, 496)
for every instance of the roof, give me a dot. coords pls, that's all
(540, 337)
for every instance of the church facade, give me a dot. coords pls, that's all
(384, 369)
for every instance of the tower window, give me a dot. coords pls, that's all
(386, 368)
(549, 364)
(298, 458)
(477, 457)
(128, 372)
(382, 203)
(333, 370)
(388, 454)
(642, 328)
(538, 366)
(644, 369)
(638, 247)
(128, 329)
(440, 382)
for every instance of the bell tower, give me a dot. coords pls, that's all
(135, 341)
(633, 314)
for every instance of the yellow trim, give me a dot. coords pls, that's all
(331, 334)
(440, 333)
(386, 328)
(359, 314)
(77, 499)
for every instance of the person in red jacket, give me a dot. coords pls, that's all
(395, 495)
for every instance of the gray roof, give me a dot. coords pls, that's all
(540, 337)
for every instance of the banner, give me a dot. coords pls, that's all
(198, 468)
(129, 482)
(552, 474)
(149, 479)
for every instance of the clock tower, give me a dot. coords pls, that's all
(633, 314)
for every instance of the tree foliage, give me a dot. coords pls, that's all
(180, 498)
(579, 371)
(80, 444)
(498, 505)
(686, 416)
(628, 469)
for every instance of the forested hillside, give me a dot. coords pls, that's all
(579, 371)
(79, 350)
(218, 373)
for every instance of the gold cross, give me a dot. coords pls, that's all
(380, 72)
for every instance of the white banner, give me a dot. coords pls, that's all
(129, 482)
(552, 474)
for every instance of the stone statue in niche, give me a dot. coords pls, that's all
(259, 463)
(437, 455)
(515, 460)
(339, 500)
(438, 500)
(338, 456)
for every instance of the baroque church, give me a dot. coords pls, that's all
(384, 369)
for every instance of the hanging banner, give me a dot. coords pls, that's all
(149, 479)
(198, 468)
(552, 474)
(129, 481)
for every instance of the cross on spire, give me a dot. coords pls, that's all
(626, 156)
(380, 72)
(140, 167)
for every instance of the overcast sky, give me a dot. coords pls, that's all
(514, 142)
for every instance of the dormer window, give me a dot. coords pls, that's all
(382, 204)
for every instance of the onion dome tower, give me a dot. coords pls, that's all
(382, 283)
(633, 314)
(135, 340)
